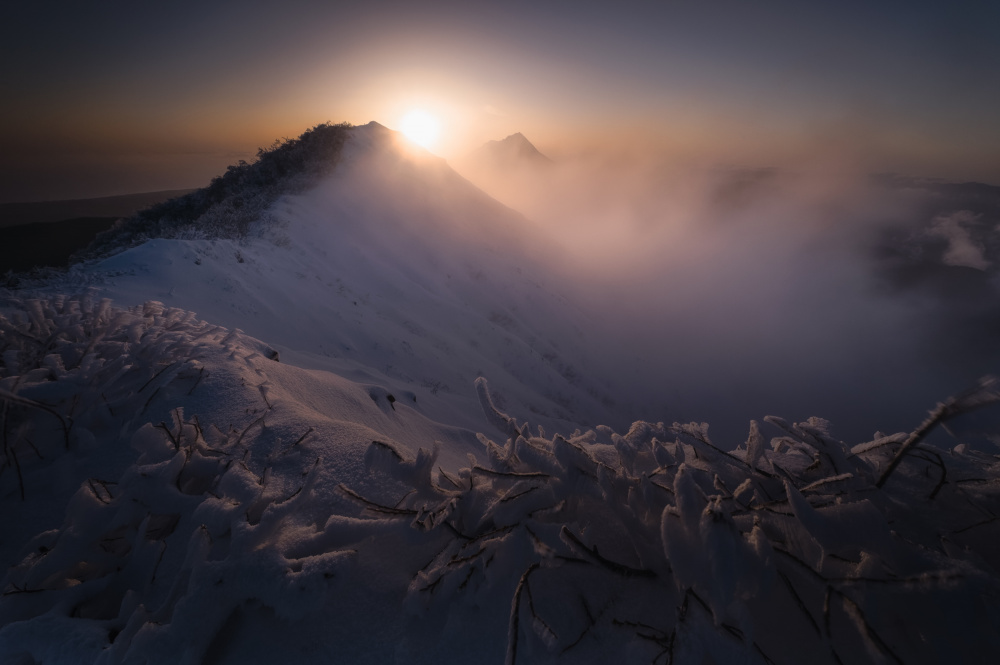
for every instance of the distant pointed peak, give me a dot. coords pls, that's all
(514, 139)
(515, 147)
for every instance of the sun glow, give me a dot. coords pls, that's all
(421, 127)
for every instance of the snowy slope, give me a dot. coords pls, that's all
(121, 383)
(393, 270)
(180, 497)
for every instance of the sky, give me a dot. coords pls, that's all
(119, 97)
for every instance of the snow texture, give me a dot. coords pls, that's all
(180, 500)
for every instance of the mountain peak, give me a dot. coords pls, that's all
(514, 149)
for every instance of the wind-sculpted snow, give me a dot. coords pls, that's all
(55, 351)
(659, 545)
(174, 495)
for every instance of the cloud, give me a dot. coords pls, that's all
(962, 249)
(738, 292)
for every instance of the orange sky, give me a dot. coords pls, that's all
(121, 98)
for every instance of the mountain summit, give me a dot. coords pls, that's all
(511, 170)
(515, 150)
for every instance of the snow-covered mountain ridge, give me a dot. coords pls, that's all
(393, 269)
(236, 202)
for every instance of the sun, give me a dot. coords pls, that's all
(421, 127)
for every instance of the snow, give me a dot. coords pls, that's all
(346, 281)
(321, 488)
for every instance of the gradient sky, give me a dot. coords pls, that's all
(116, 97)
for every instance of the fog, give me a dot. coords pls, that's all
(729, 293)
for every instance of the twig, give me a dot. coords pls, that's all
(377, 507)
(534, 614)
(940, 462)
(591, 621)
(509, 497)
(107, 404)
(444, 474)
(24, 401)
(173, 439)
(854, 611)
(720, 451)
(691, 593)
(97, 495)
(150, 400)
(17, 590)
(33, 447)
(983, 394)
(515, 616)
(403, 498)
(627, 571)
(766, 657)
(201, 373)
(243, 433)
(509, 474)
(197, 427)
(977, 524)
(303, 437)
(799, 601)
(155, 376)
(824, 481)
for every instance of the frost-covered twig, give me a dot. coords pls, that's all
(509, 474)
(941, 465)
(513, 629)
(983, 394)
(873, 641)
(377, 507)
(495, 416)
(798, 601)
(247, 428)
(65, 422)
(158, 374)
(303, 437)
(621, 569)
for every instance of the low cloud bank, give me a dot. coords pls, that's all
(728, 293)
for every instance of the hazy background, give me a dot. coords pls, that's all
(729, 293)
